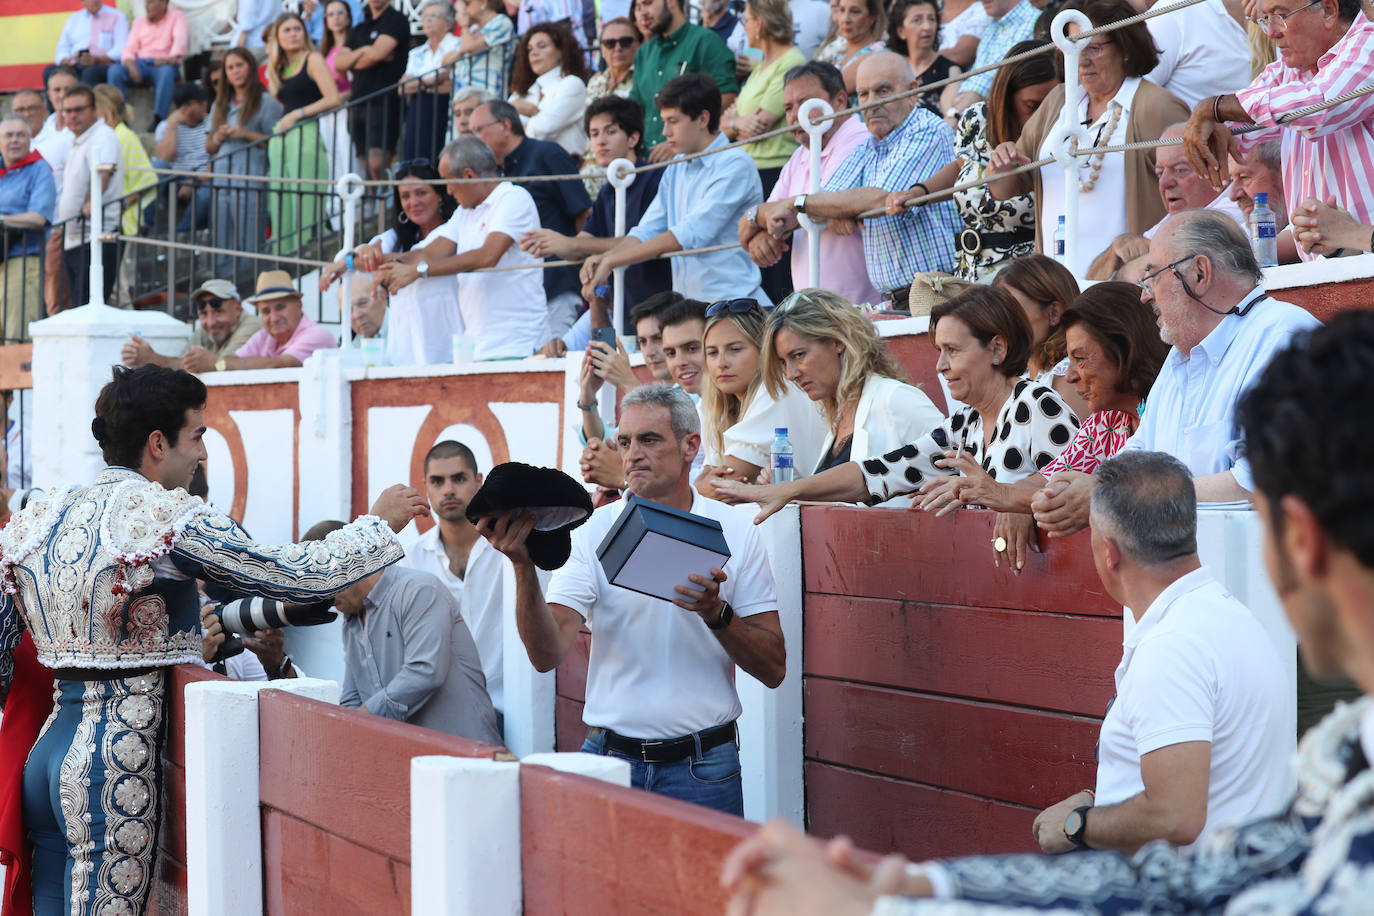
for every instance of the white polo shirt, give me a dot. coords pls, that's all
(656, 671)
(100, 144)
(478, 595)
(1199, 667)
(504, 313)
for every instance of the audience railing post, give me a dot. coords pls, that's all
(350, 190)
(1067, 129)
(811, 111)
(97, 265)
(619, 175)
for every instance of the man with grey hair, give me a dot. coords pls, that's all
(1204, 285)
(505, 313)
(28, 198)
(465, 102)
(661, 678)
(1260, 171)
(1202, 729)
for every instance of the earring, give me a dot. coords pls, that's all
(997, 361)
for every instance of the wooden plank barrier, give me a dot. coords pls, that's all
(335, 793)
(946, 701)
(169, 874)
(589, 847)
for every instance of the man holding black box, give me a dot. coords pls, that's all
(660, 681)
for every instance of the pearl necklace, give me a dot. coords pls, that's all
(1103, 139)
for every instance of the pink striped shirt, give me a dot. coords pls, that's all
(1330, 152)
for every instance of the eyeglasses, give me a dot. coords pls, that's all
(410, 164)
(1095, 49)
(733, 306)
(1264, 21)
(1147, 282)
(209, 302)
(74, 109)
(625, 42)
(792, 302)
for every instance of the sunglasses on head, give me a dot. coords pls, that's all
(210, 302)
(625, 41)
(733, 306)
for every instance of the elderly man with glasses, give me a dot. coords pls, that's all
(27, 200)
(223, 327)
(1326, 49)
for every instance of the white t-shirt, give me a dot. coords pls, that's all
(478, 595)
(1102, 210)
(1199, 667)
(810, 22)
(423, 318)
(505, 314)
(972, 21)
(98, 142)
(1203, 52)
(55, 145)
(423, 61)
(656, 671)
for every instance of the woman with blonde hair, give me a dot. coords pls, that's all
(304, 84)
(825, 346)
(110, 105)
(739, 417)
(857, 29)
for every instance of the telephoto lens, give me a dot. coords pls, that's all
(246, 616)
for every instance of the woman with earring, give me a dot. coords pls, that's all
(1044, 289)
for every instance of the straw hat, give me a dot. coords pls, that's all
(273, 284)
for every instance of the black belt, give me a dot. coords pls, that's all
(102, 674)
(971, 241)
(664, 750)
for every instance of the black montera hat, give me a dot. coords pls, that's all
(559, 504)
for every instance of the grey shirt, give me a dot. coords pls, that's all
(410, 657)
(243, 157)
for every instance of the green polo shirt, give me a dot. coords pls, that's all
(691, 49)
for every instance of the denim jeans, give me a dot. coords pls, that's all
(711, 779)
(163, 78)
(200, 203)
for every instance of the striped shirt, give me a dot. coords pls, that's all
(1017, 25)
(1330, 152)
(922, 238)
(487, 68)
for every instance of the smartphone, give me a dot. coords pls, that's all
(604, 335)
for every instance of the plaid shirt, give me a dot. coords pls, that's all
(922, 238)
(1017, 25)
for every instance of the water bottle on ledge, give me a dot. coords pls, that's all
(1059, 242)
(1264, 232)
(780, 457)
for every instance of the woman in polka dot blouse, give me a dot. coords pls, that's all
(983, 338)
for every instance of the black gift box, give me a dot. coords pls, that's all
(653, 547)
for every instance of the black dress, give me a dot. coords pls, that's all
(938, 70)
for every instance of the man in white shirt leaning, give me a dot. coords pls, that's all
(459, 557)
(1201, 732)
(661, 676)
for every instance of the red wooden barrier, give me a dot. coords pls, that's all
(169, 881)
(335, 792)
(594, 848)
(946, 701)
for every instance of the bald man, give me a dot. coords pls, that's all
(906, 145)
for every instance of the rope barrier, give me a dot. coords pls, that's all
(205, 249)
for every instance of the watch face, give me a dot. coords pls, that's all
(1073, 824)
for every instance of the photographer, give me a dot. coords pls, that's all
(265, 660)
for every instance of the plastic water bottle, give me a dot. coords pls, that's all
(780, 457)
(1263, 232)
(1059, 242)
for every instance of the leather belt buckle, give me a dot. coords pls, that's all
(644, 750)
(970, 247)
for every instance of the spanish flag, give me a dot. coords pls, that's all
(28, 39)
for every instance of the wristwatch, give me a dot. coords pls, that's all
(422, 269)
(799, 203)
(220, 364)
(727, 614)
(752, 215)
(1075, 825)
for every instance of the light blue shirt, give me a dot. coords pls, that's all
(1190, 412)
(700, 202)
(316, 24)
(1017, 25)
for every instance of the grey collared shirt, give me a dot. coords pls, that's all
(410, 657)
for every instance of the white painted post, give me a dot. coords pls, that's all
(619, 175)
(771, 727)
(97, 266)
(350, 189)
(811, 110)
(464, 837)
(73, 352)
(1068, 128)
(223, 826)
(596, 766)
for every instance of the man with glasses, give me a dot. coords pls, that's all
(1205, 287)
(93, 141)
(1326, 49)
(907, 144)
(222, 328)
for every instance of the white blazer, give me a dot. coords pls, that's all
(890, 414)
(562, 101)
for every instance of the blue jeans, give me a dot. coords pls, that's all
(164, 79)
(711, 780)
(200, 203)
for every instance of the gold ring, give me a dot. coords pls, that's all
(999, 544)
